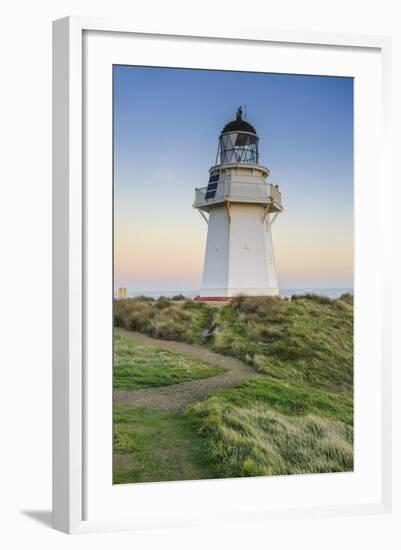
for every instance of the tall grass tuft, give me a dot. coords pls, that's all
(254, 440)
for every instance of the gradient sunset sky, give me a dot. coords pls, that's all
(166, 128)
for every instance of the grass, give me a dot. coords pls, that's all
(308, 340)
(138, 366)
(298, 418)
(256, 440)
(273, 427)
(291, 399)
(156, 446)
(167, 319)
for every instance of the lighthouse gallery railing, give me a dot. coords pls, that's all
(261, 193)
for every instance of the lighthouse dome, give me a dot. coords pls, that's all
(238, 142)
(239, 125)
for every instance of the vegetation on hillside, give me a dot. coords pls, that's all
(297, 418)
(138, 366)
(307, 339)
(271, 427)
(168, 319)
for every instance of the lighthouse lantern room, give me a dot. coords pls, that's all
(239, 207)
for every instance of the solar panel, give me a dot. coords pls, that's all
(210, 194)
(212, 187)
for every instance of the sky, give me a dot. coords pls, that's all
(166, 128)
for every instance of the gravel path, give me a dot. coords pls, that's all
(178, 396)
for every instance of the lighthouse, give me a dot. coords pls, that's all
(239, 207)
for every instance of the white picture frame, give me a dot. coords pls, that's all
(70, 288)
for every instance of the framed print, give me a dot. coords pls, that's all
(219, 318)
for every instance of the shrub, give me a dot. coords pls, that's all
(171, 323)
(143, 298)
(256, 304)
(119, 315)
(318, 298)
(162, 303)
(178, 297)
(196, 306)
(138, 317)
(347, 298)
(132, 314)
(120, 312)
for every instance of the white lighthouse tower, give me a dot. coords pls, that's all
(241, 208)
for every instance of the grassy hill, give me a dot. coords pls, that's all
(308, 339)
(297, 418)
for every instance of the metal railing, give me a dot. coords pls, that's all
(240, 192)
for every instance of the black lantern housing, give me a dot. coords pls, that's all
(238, 143)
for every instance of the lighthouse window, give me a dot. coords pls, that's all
(242, 139)
(238, 147)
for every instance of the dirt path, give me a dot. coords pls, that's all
(178, 396)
